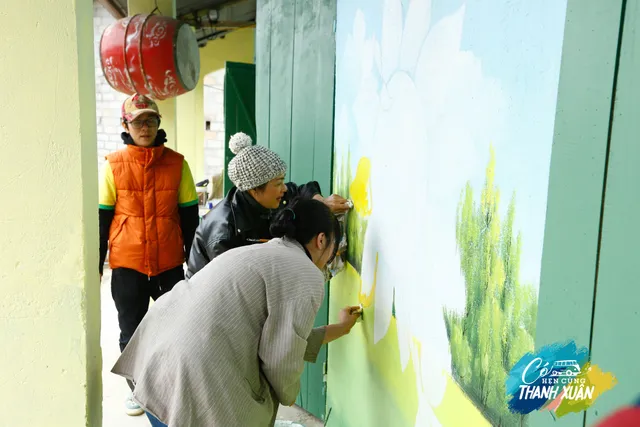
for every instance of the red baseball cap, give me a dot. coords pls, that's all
(138, 104)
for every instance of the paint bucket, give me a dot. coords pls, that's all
(152, 55)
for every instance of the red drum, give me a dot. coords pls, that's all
(151, 55)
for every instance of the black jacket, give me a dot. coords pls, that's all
(236, 221)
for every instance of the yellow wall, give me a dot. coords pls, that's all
(238, 46)
(50, 363)
(198, 123)
(188, 144)
(168, 107)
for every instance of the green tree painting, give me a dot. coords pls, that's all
(498, 323)
(356, 225)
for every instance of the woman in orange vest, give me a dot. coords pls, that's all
(148, 216)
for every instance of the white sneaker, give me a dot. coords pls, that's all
(132, 408)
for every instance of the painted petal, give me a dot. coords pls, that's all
(425, 416)
(416, 27)
(359, 26)
(369, 254)
(365, 109)
(384, 297)
(404, 338)
(443, 42)
(391, 37)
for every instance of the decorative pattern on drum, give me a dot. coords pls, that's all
(152, 55)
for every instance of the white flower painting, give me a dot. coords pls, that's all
(428, 88)
(424, 111)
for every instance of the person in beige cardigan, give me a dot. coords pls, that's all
(228, 345)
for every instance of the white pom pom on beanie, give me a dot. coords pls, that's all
(253, 165)
(239, 141)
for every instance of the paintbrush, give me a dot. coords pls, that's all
(358, 310)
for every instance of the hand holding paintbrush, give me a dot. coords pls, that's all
(347, 318)
(357, 310)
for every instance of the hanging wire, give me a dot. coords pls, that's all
(157, 9)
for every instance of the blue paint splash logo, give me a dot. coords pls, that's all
(559, 378)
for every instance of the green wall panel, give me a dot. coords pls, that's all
(313, 81)
(295, 57)
(615, 344)
(263, 71)
(576, 179)
(239, 107)
(281, 99)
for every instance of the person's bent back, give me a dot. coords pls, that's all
(229, 345)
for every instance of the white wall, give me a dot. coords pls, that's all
(214, 112)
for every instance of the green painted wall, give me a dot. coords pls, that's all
(576, 180)
(589, 292)
(614, 345)
(295, 56)
(239, 107)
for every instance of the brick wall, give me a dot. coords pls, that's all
(214, 115)
(108, 101)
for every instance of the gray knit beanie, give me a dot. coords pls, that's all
(253, 165)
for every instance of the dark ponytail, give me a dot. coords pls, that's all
(304, 220)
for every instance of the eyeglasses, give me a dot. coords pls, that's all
(151, 122)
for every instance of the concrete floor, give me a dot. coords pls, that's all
(115, 389)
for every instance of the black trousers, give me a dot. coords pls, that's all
(131, 291)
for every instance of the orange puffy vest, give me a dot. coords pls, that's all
(145, 234)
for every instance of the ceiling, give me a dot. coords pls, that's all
(211, 19)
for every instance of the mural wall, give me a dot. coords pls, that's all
(443, 131)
